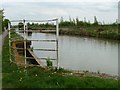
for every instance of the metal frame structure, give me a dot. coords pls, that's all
(25, 39)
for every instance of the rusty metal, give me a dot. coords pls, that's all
(25, 40)
(34, 49)
(45, 58)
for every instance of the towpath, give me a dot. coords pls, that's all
(2, 37)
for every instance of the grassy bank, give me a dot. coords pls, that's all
(36, 77)
(109, 32)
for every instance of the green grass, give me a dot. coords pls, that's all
(16, 37)
(36, 77)
(109, 32)
(99, 31)
(1, 26)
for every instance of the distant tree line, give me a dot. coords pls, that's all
(77, 22)
(66, 23)
(35, 25)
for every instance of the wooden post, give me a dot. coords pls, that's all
(9, 41)
(24, 44)
(57, 35)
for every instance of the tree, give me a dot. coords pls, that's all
(95, 21)
(1, 21)
(84, 19)
(5, 23)
(20, 25)
(28, 24)
(1, 14)
(74, 21)
(70, 19)
(61, 20)
(77, 20)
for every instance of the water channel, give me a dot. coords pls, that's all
(80, 53)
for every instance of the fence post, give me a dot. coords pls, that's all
(57, 35)
(9, 41)
(24, 43)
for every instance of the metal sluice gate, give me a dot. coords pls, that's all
(25, 48)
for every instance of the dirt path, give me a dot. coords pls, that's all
(2, 37)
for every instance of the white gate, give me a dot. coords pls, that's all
(25, 39)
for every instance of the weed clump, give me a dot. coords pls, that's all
(49, 63)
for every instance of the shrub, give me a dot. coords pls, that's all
(49, 63)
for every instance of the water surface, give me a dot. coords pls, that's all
(80, 53)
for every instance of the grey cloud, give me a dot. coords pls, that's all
(46, 10)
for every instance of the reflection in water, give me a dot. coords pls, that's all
(81, 53)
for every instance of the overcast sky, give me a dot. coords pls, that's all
(105, 10)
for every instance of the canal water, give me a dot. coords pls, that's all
(80, 53)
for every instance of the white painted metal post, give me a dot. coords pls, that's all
(9, 41)
(26, 28)
(57, 35)
(24, 44)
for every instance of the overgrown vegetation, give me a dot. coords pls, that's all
(105, 31)
(3, 21)
(37, 77)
